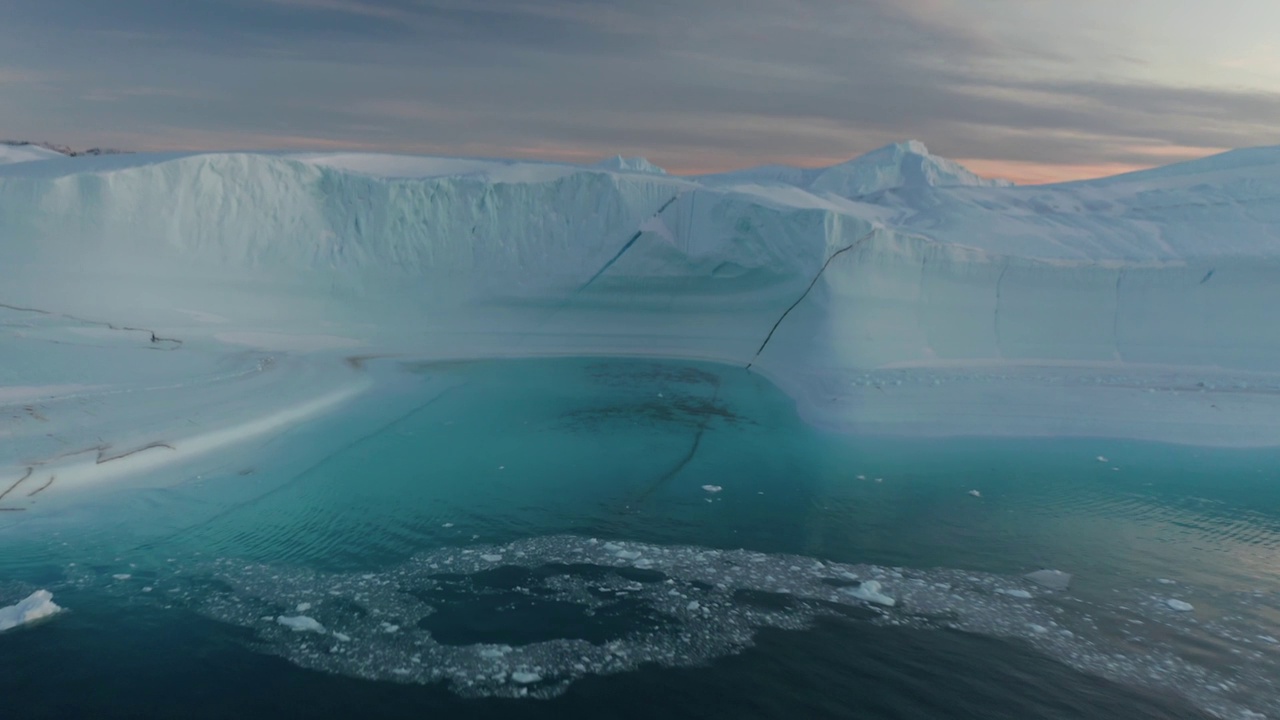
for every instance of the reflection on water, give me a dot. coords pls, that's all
(447, 457)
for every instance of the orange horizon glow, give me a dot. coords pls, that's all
(687, 164)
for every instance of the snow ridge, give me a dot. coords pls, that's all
(904, 164)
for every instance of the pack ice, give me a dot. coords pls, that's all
(159, 309)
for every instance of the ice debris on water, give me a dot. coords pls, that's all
(36, 606)
(1020, 594)
(1052, 579)
(975, 493)
(870, 591)
(525, 678)
(712, 488)
(1102, 459)
(700, 593)
(1179, 605)
(300, 623)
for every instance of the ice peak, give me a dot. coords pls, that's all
(902, 164)
(629, 164)
(898, 149)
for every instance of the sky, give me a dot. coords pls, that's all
(1031, 90)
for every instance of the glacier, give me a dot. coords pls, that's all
(160, 308)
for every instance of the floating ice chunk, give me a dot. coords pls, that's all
(712, 488)
(1052, 579)
(301, 623)
(302, 607)
(1179, 605)
(870, 592)
(122, 576)
(390, 628)
(491, 558)
(862, 477)
(524, 678)
(341, 637)
(975, 493)
(628, 554)
(36, 606)
(879, 480)
(1165, 581)
(1020, 594)
(1038, 629)
(447, 525)
(1102, 459)
(693, 605)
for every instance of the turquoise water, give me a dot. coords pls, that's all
(387, 509)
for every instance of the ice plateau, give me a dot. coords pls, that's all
(895, 293)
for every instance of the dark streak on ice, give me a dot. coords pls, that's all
(807, 290)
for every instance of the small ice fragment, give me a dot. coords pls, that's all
(659, 394)
(147, 589)
(1102, 459)
(862, 477)
(612, 547)
(340, 637)
(389, 628)
(301, 623)
(712, 488)
(1020, 594)
(502, 467)
(975, 493)
(1164, 581)
(1179, 605)
(1052, 579)
(37, 605)
(491, 558)
(870, 591)
(302, 607)
(1038, 629)
(122, 576)
(693, 605)
(628, 554)
(879, 480)
(448, 525)
(524, 678)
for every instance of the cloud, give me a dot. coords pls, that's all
(696, 86)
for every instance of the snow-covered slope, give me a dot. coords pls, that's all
(1138, 306)
(630, 164)
(902, 165)
(25, 152)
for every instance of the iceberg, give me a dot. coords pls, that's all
(36, 606)
(897, 293)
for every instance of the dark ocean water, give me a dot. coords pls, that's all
(652, 540)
